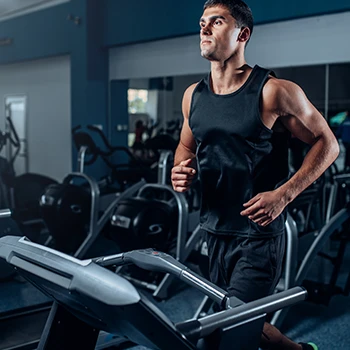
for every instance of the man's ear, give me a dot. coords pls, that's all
(244, 35)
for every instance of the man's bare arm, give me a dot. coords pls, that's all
(286, 102)
(183, 172)
(187, 146)
(305, 122)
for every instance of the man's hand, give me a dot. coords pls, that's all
(182, 176)
(265, 207)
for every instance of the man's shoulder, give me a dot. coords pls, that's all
(284, 97)
(280, 87)
(187, 98)
(190, 90)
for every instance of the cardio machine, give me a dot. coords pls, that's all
(161, 218)
(77, 210)
(89, 298)
(125, 168)
(302, 250)
(20, 193)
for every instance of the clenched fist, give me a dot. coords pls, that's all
(182, 175)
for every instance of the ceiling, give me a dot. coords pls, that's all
(13, 8)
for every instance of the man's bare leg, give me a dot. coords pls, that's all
(273, 339)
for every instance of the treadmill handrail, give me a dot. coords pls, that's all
(153, 260)
(199, 328)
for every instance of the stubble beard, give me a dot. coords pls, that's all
(206, 53)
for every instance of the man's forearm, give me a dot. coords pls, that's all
(321, 155)
(183, 153)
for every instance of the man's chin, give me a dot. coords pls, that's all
(206, 54)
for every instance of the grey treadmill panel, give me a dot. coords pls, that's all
(92, 293)
(82, 277)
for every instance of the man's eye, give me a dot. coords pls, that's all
(218, 22)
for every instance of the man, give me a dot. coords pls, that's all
(236, 127)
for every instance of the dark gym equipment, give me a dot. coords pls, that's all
(139, 222)
(126, 171)
(339, 199)
(89, 298)
(73, 203)
(151, 218)
(77, 214)
(301, 250)
(159, 139)
(78, 209)
(157, 217)
(21, 193)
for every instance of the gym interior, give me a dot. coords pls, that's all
(90, 118)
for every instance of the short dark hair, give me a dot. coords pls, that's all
(239, 10)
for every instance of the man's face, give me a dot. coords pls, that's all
(219, 34)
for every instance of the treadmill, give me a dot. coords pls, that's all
(89, 298)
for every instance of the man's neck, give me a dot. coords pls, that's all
(229, 76)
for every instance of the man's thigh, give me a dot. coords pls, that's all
(247, 268)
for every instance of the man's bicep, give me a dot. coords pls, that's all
(187, 139)
(307, 127)
(300, 117)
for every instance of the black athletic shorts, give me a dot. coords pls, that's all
(248, 268)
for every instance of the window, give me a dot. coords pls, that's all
(137, 100)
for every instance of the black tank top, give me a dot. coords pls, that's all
(238, 156)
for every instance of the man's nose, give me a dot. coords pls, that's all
(205, 30)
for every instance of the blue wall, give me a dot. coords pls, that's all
(268, 11)
(89, 73)
(50, 32)
(143, 20)
(37, 35)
